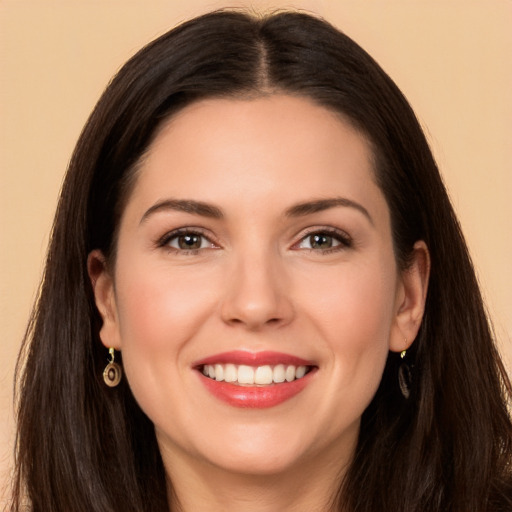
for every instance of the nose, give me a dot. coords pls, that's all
(257, 293)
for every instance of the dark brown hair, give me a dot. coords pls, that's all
(84, 447)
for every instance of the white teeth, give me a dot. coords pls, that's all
(300, 372)
(245, 374)
(249, 375)
(230, 373)
(263, 375)
(219, 372)
(279, 373)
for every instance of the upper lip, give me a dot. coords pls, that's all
(248, 358)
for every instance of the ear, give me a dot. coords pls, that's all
(104, 294)
(410, 299)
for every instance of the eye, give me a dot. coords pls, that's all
(186, 240)
(324, 241)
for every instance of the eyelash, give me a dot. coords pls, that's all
(345, 241)
(165, 240)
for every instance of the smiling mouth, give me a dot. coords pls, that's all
(244, 375)
(255, 380)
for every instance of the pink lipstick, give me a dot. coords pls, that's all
(254, 380)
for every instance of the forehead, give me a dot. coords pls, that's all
(277, 149)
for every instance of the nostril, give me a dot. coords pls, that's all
(252, 324)
(255, 303)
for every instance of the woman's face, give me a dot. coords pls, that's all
(255, 294)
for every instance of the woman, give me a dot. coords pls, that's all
(254, 229)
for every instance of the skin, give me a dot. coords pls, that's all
(257, 284)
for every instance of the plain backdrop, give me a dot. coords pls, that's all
(450, 58)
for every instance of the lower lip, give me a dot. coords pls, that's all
(256, 397)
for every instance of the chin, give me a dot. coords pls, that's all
(263, 450)
(260, 463)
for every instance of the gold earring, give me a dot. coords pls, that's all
(112, 373)
(404, 375)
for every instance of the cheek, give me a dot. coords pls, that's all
(354, 301)
(161, 309)
(159, 313)
(354, 314)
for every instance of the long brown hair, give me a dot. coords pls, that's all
(84, 447)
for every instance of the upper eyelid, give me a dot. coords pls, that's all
(323, 229)
(330, 230)
(169, 235)
(346, 241)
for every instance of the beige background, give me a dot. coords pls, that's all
(451, 59)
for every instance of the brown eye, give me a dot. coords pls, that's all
(190, 241)
(321, 241)
(324, 241)
(186, 241)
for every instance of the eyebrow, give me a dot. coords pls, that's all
(319, 205)
(187, 206)
(209, 210)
